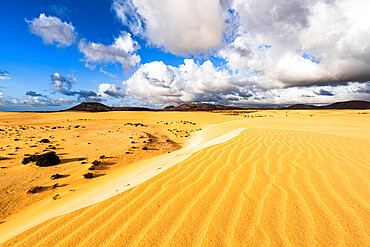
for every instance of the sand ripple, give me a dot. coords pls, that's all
(263, 187)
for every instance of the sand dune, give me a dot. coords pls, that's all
(276, 187)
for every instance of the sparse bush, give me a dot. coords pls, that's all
(88, 175)
(96, 162)
(56, 176)
(47, 159)
(35, 189)
(55, 197)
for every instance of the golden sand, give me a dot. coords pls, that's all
(292, 178)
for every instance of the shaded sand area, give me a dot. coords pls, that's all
(284, 178)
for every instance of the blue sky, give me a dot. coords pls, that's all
(55, 54)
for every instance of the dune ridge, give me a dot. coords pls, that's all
(264, 187)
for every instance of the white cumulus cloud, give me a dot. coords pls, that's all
(112, 90)
(180, 26)
(158, 83)
(121, 51)
(52, 30)
(301, 43)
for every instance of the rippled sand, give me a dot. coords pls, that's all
(277, 183)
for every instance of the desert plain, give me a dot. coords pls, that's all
(227, 178)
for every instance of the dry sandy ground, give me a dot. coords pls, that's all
(284, 178)
(78, 139)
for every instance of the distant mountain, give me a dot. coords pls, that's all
(200, 107)
(353, 104)
(90, 106)
(99, 107)
(130, 108)
(169, 107)
(300, 107)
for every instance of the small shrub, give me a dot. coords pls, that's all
(16, 139)
(145, 148)
(96, 162)
(28, 159)
(56, 176)
(55, 197)
(102, 157)
(35, 189)
(44, 141)
(54, 185)
(88, 175)
(47, 159)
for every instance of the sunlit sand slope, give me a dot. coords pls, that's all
(262, 188)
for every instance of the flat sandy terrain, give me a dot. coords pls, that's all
(267, 178)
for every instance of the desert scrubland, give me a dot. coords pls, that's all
(228, 178)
